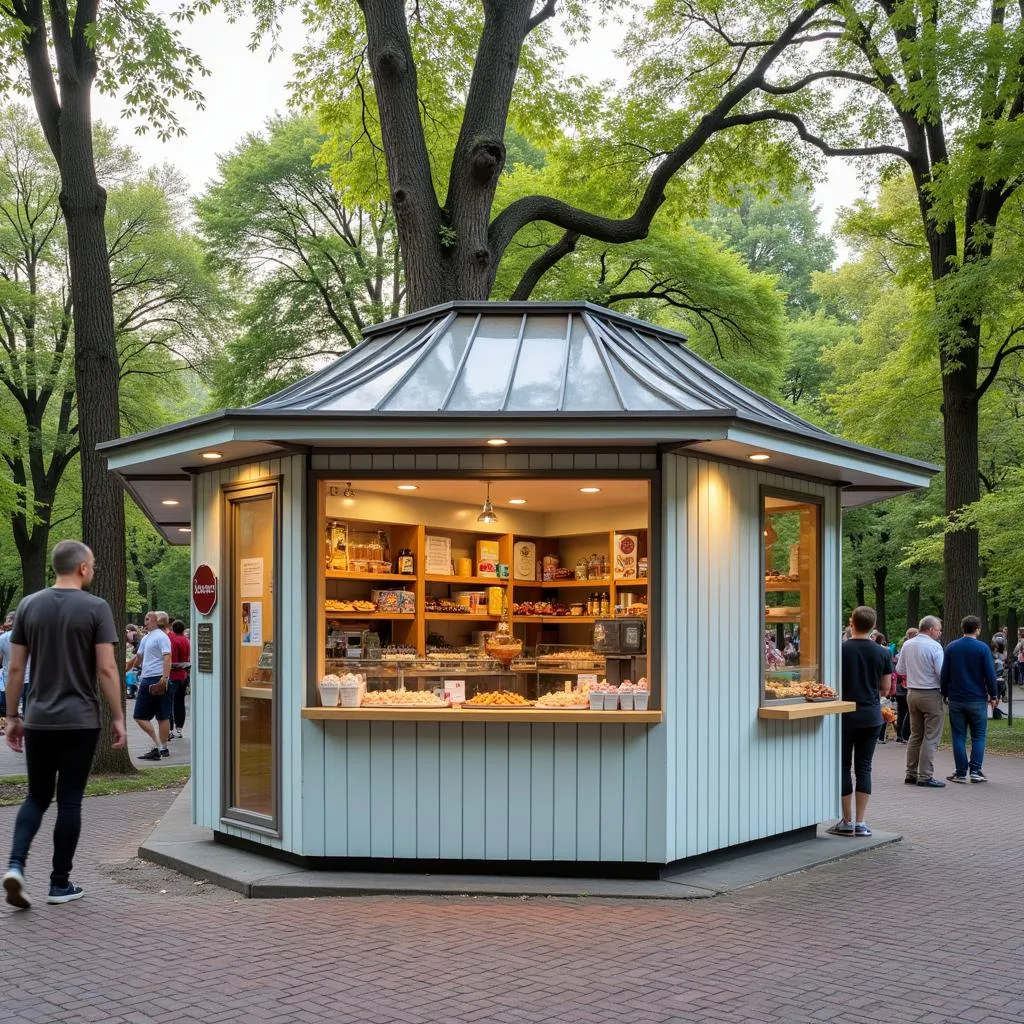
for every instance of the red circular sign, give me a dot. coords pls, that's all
(204, 590)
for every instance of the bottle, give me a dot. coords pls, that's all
(405, 564)
(606, 604)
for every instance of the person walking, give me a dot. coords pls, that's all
(920, 661)
(70, 635)
(181, 654)
(866, 678)
(153, 660)
(968, 683)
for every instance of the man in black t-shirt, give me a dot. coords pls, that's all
(867, 674)
(70, 636)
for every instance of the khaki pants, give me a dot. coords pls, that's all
(926, 715)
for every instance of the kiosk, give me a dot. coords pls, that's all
(516, 585)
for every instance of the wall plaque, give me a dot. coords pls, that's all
(204, 646)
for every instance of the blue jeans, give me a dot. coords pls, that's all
(964, 715)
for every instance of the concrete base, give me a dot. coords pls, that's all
(177, 843)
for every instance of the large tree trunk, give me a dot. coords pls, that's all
(913, 605)
(32, 550)
(97, 372)
(858, 589)
(960, 434)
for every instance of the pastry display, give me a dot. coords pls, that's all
(445, 606)
(503, 646)
(540, 608)
(572, 656)
(332, 605)
(396, 652)
(566, 698)
(498, 699)
(777, 691)
(402, 698)
(818, 691)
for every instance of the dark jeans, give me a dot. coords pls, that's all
(178, 687)
(61, 759)
(964, 715)
(858, 748)
(902, 717)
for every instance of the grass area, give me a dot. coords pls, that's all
(14, 788)
(1000, 738)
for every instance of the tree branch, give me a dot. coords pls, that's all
(1005, 349)
(546, 12)
(542, 264)
(605, 229)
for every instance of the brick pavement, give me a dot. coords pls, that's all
(929, 931)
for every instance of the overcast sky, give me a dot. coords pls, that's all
(246, 88)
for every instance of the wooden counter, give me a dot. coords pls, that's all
(527, 715)
(809, 709)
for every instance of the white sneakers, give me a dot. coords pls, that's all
(14, 884)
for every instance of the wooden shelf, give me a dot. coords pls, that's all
(557, 618)
(782, 617)
(808, 709)
(256, 692)
(561, 584)
(449, 617)
(544, 715)
(338, 574)
(771, 584)
(403, 617)
(486, 581)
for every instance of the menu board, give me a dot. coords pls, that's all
(204, 646)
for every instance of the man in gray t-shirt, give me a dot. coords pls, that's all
(71, 636)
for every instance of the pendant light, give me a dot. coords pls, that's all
(487, 514)
(348, 492)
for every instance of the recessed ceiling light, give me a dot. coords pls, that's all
(759, 457)
(212, 455)
(497, 441)
(590, 490)
(517, 501)
(170, 501)
(184, 529)
(408, 487)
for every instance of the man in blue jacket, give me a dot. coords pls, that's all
(968, 684)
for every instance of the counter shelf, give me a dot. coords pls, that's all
(521, 715)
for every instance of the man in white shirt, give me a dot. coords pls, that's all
(153, 700)
(921, 662)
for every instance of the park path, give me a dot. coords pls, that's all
(929, 930)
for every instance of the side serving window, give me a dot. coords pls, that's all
(791, 549)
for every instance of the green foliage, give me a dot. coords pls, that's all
(309, 272)
(777, 235)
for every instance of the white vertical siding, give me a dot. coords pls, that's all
(731, 777)
(208, 726)
(495, 791)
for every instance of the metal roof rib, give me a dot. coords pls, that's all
(636, 353)
(437, 331)
(515, 363)
(697, 381)
(602, 354)
(565, 363)
(374, 368)
(457, 375)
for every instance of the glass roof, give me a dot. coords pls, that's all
(525, 357)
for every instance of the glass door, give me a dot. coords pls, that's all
(252, 775)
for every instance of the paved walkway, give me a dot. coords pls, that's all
(138, 743)
(929, 930)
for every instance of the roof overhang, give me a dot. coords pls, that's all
(157, 467)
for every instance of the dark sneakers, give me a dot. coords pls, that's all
(153, 755)
(14, 884)
(957, 778)
(910, 780)
(933, 784)
(978, 776)
(65, 893)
